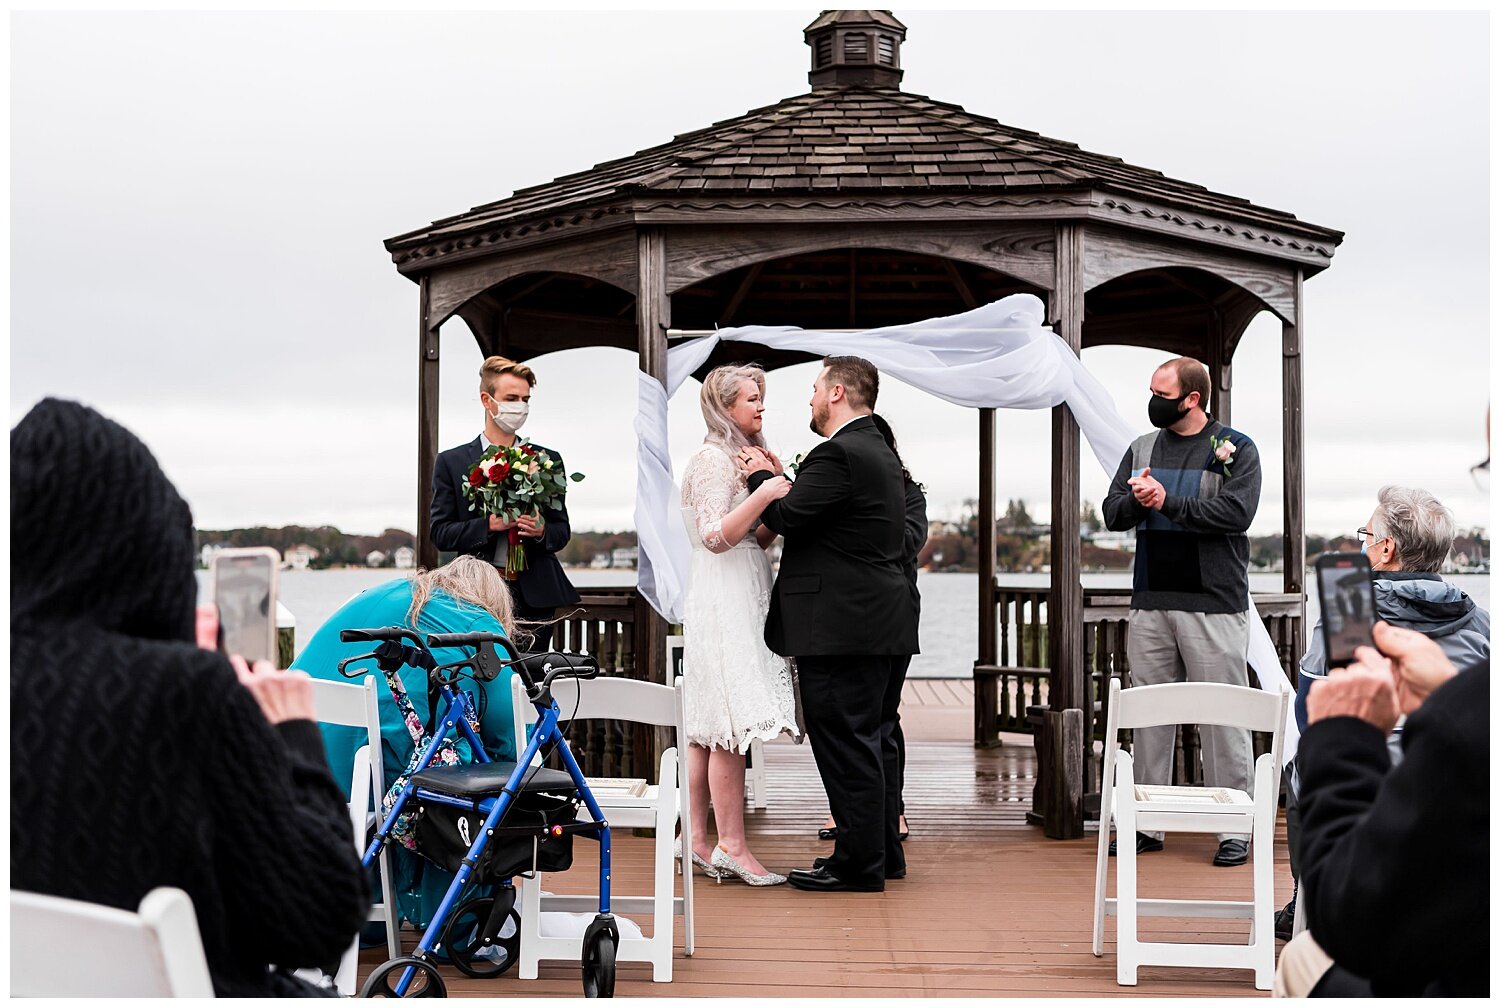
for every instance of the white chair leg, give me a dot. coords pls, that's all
(1101, 874)
(392, 911)
(531, 926)
(662, 888)
(1263, 931)
(1127, 951)
(685, 819)
(757, 775)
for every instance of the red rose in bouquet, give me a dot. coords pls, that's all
(511, 482)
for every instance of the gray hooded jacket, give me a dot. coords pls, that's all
(1417, 601)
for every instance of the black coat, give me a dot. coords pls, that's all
(137, 759)
(456, 529)
(842, 588)
(1396, 862)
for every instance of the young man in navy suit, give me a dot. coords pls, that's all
(505, 392)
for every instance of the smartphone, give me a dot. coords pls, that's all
(244, 587)
(1346, 596)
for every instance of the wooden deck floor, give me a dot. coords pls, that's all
(989, 907)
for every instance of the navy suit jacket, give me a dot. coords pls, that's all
(542, 585)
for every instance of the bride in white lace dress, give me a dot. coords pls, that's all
(735, 689)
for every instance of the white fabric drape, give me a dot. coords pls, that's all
(997, 356)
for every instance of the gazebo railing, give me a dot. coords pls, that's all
(1011, 695)
(608, 623)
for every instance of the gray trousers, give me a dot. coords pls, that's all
(1167, 646)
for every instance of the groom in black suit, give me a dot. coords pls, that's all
(505, 392)
(841, 605)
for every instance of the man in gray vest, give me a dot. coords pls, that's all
(1190, 489)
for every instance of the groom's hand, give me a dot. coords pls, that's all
(754, 460)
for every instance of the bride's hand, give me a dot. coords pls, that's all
(775, 488)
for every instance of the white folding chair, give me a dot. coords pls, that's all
(661, 808)
(1188, 810)
(154, 952)
(356, 705)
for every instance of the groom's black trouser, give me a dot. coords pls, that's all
(850, 708)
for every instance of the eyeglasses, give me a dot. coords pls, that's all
(1361, 532)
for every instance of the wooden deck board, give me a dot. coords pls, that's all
(990, 907)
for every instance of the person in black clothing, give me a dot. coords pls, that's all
(913, 539)
(139, 759)
(842, 606)
(537, 592)
(1395, 862)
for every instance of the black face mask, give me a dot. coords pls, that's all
(1164, 412)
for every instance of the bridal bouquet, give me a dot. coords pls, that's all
(511, 482)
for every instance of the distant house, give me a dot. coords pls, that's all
(374, 558)
(299, 556)
(600, 560)
(624, 556)
(1124, 541)
(207, 554)
(406, 557)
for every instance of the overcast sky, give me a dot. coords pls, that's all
(199, 202)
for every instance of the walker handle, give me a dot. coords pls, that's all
(390, 633)
(465, 639)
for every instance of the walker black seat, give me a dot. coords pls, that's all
(485, 780)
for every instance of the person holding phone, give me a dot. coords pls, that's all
(1190, 489)
(1406, 540)
(542, 587)
(140, 756)
(1397, 857)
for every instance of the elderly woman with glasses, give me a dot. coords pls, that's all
(1406, 540)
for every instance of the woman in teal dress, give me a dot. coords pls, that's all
(464, 596)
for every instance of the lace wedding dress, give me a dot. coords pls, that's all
(735, 690)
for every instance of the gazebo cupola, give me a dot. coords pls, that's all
(855, 48)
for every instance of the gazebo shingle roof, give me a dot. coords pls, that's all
(852, 139)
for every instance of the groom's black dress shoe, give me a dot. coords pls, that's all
(822, 880)
(899, 873)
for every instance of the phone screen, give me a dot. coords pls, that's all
(245, 593)
(1347, 597)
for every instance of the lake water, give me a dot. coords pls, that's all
(949, 604)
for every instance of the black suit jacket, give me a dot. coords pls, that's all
(842, 588)
(542, 585)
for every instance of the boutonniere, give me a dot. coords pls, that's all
(1223, 451)
(794, 465)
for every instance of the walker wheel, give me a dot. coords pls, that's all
(599, 966)
(424, 980)
(462, 939)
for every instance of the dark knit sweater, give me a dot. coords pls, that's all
(137, 759)
(1192, 555)
(1395, 862)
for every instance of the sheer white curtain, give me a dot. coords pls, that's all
(997, 356)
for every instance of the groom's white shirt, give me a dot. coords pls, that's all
(846, 423)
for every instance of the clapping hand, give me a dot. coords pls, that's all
(1148, 490)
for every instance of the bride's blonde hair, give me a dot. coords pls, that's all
(464, 579)
(721, 390)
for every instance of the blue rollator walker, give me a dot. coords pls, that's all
(466, 817)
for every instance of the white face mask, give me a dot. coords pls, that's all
(510, 416)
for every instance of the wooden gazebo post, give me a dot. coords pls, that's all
(1062, 738)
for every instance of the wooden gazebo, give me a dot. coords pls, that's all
(858, 205)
